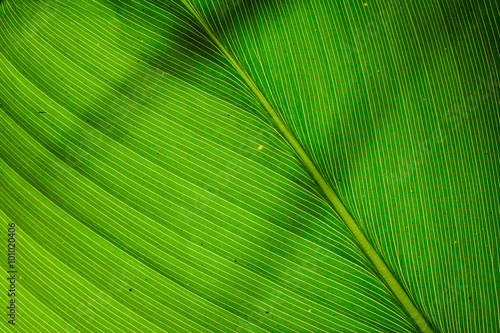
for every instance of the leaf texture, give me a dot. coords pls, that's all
(153, 191)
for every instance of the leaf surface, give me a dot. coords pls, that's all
(153, 190)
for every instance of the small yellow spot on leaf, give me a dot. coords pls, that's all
(260, 147)
(365, 4)
(309, 310)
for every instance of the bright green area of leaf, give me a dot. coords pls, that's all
(152, 191)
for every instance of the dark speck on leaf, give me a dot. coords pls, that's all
(235, 261)
(130, 290)
(470, 297)
(267, 311)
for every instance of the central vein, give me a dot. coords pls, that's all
(379, 264)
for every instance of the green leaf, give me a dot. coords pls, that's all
(250, 165)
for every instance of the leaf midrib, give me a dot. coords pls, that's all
(333, 200)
